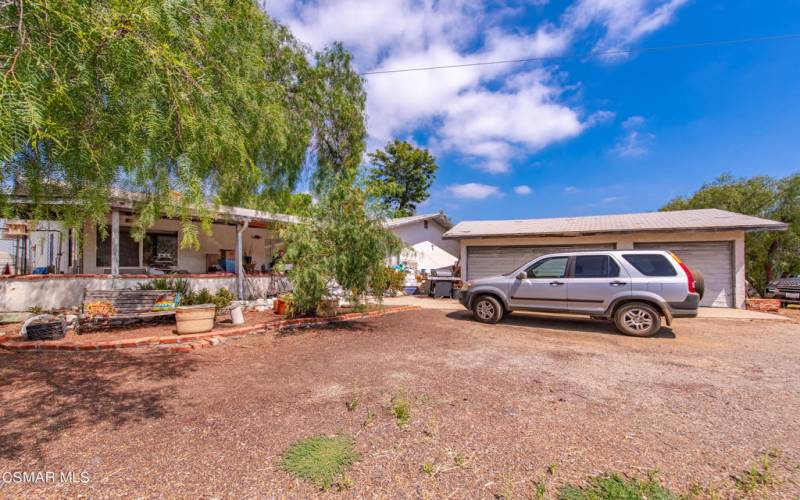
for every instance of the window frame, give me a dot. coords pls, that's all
(610, 258)
(542, 261)
(126, 230)
(670, 264)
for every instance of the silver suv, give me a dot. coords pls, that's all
(635, 288)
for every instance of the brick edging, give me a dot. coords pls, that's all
(185, 343)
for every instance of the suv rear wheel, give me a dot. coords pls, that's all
(487, 309)
(637, 319)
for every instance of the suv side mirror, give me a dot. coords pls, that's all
(522, 276)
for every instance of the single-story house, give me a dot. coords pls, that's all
(425, 247)
(709, 240)
(237, 254)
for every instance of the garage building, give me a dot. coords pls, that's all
(709, 240)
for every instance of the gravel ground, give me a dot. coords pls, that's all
(494, 409)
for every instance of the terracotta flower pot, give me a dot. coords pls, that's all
(281, 306)
(195, 319)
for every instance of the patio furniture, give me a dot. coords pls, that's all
(120, 308)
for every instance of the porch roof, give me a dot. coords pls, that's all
(127, 200)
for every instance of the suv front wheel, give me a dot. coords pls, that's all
(637, 319)
(487, 309)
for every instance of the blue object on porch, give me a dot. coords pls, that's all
(228, 265)
(40, 270)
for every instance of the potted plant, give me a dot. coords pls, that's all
(196, 313)
(284, 305)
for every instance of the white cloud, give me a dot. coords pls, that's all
(473, 191)
(571, 190)
(634, 121)
(634, 143)
(490, 114)
(610, 199)
(523, 190)
(623, 21)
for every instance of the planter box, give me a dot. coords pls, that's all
(195, 319)
(764, 305)
(46, 330)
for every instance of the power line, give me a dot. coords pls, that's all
(658, 48)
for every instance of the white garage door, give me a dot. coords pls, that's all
(714, 259)
(491, 261)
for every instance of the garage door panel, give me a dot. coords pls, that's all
(714, 259)
(493, 260)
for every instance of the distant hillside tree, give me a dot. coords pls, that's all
(401, 176)
(768, 254)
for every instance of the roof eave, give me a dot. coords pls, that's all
(747, 229)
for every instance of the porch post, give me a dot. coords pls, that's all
(115, 242)
(239, 262)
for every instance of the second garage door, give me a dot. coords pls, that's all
(714, 259)
(491, 261)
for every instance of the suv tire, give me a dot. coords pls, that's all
(487, 309)
(699, 283)
(637, 319)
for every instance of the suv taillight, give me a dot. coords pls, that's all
(688, 272)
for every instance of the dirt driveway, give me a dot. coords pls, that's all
(495, 410)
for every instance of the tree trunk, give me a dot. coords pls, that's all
(769, 267)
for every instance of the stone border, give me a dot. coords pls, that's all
(185, 343)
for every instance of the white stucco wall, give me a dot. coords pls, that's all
(626, 241)
(222, 237)
(54, 293)
(426, 246)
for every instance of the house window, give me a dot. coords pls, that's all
(160, 248)
(128, 249)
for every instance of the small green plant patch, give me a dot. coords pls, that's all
(757, 476)
(401, 408)
(614, 487)
(355, 398)
(321, 460)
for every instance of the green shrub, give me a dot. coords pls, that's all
(341, 241)
(197, 298)
(387, 279)
(321, 460)
(179, 285)
(222, 299)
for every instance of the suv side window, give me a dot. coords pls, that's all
(595, 266)
(554, 267)
(651, 264)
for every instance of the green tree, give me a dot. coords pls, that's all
(401, 176)
(185, 102)
(768, 254)
(341, 242)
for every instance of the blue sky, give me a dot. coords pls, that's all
(574, 136)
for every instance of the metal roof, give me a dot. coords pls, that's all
(439, 217)
(709, 219)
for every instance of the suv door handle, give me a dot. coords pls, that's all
(617, 283)
(556, 283)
